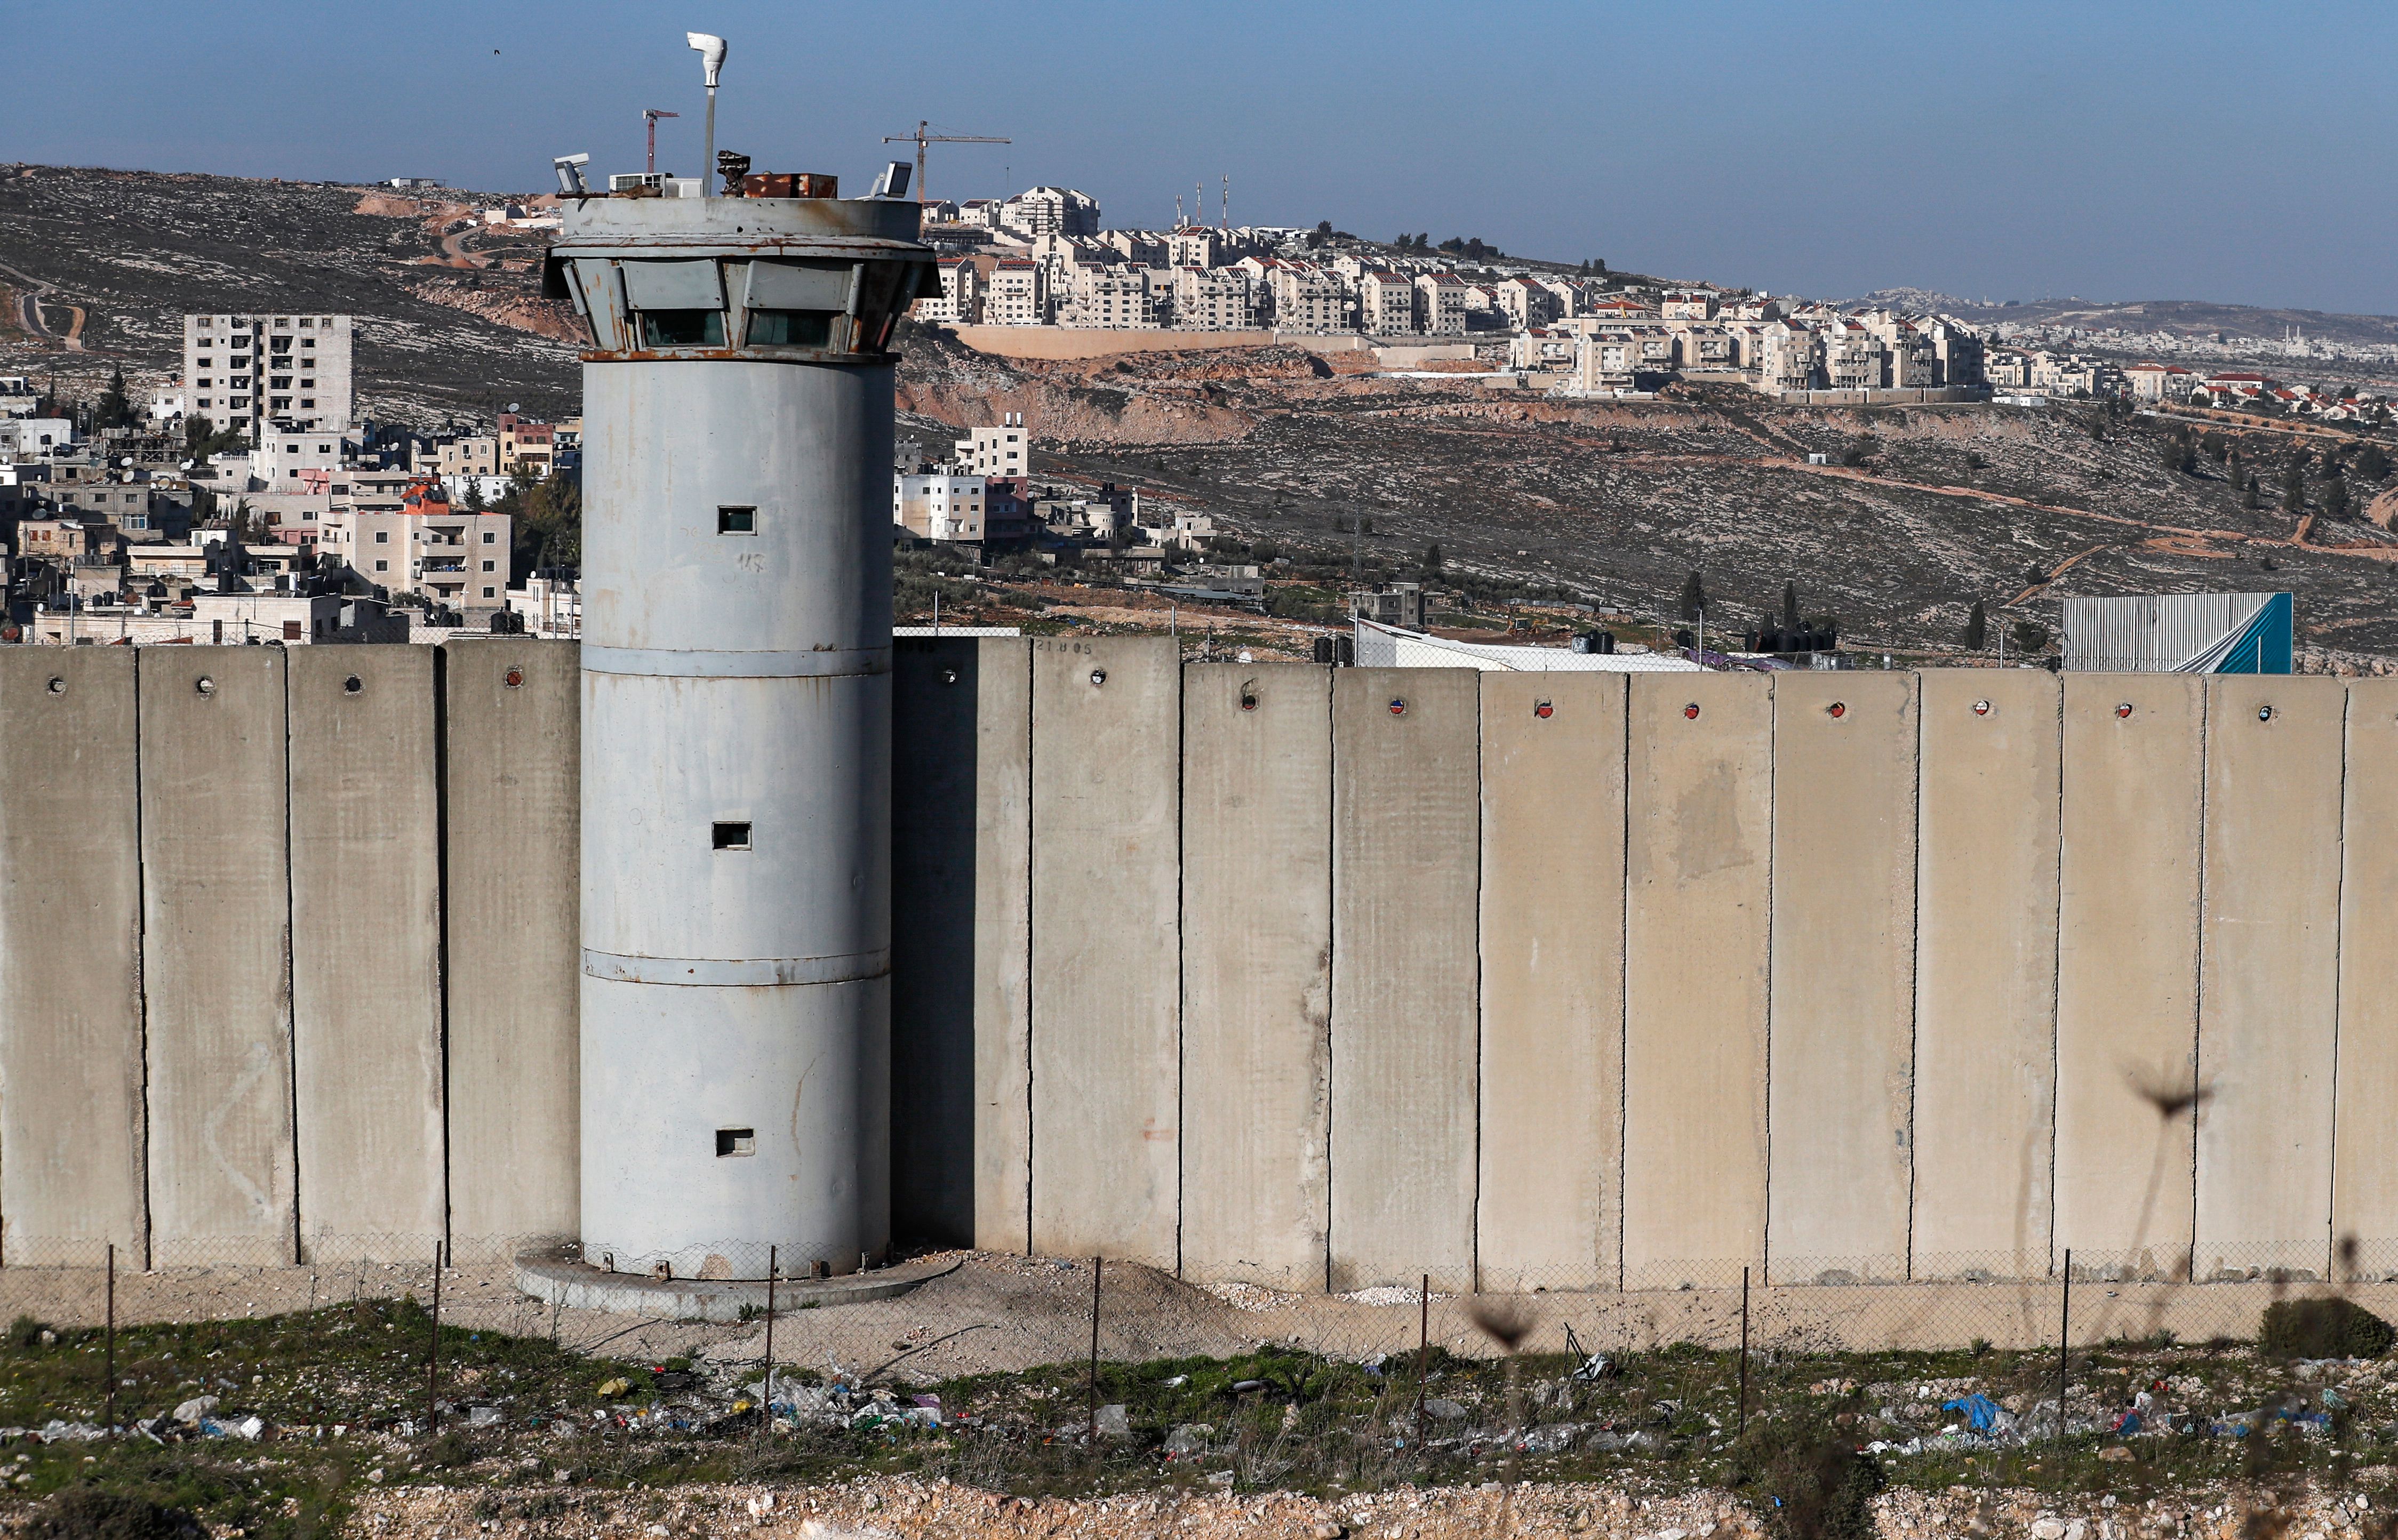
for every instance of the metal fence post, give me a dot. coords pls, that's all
(2064, 1339)
(768, 1410)
(110, 1420)
(1423, 1354)
(1096, 1264)
(433, 1352)
(1741, 1423)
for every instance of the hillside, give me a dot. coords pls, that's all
(1920, 513)
(450, 320)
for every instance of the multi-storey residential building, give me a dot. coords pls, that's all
(1687, 304)
(1386, 304)
(1790, 356)
(961, 298)
(2153, 382)
(527, 446)
(939, 504)
(1018, 295)
(281, 459)
(245, 371)
(1526, 304)
(1565, 297)
(1303, 296)
(425, 545)
(1440, 304)
(1705, 348)
(1005, 450)
(1211, 298)
(1194, 245)
(1851, 355)
(1139, 247)
(1956, 355)
(1047, 211)
(1114, 297)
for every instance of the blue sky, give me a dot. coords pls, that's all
(2240, 153)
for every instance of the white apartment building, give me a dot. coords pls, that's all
(1211, 298)
(937, 506)
(1386, 304)
(1114, 297)
(1526, 305)
(1194, 245)
(960, 303)
(1687, 304)
(279, 458)
(1440, 304)
(1139, 247)
(245, 371)
(1018, 295)
(1001, 451)
(1051, 211)
(1564, 296)
(1306, 298)
(1789, 357)
(426, 547)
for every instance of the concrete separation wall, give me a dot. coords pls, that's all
(1840, 1090)
(1699, 796)
(2364, 1153)
(1549, 1213)
(961, 944)
(71, 1117)
(2127, 969)
(1257, 972)
(1106, 974)
(510, 755)
(1276, 974)
(216, 950)
(366, 964)
(2269, 983)
(1091, 343)
(1985, 972)
(1405, 843)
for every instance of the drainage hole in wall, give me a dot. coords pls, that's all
(729, 837)
(736, 1141)
(351, 685)
(205, 685)
(513, 678)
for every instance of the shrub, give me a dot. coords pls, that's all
(1807, 1480)
(84, 1513)
(2323, 1329)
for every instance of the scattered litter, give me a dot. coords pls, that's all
(195, 1408)
(1447, 1411)
(1189, 1438)
(1113, 1422)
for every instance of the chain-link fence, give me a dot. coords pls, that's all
(1032, 1374)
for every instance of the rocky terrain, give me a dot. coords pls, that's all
(1916, 514)
(450, 316)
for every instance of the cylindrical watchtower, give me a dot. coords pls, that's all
(736, 723)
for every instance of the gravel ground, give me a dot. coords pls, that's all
(901, 1508)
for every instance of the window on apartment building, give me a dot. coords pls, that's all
(491, 538)
(383, 567)
(487, 566)
(383, 537)
(487, 591)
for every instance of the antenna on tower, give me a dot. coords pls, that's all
(1178, 212)
(1224, 210)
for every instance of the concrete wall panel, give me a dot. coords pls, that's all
(71, 1114)
(1548, 1215)
(1698, 853)
(1406, 860)
(511, 752)
(1841, 1088)
(960, 944)
(2268, 977)
(1257, 972)
(366, 966)
(1106, 977)
(2127, 970)
(1986, 973)
(217, 954)
(2365, 1168)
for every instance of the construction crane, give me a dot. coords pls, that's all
(920, 139)
(650, 116)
